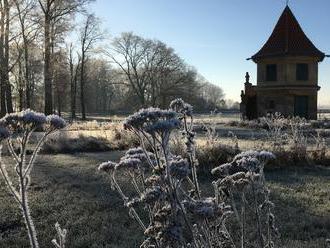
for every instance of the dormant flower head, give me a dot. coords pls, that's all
(266, 156)
(134, 151)
(11, 121)
(56, 122)
(139, 153)
(152, 120)
(204, 208)
(162, 126)
(179, 168)
(249, 161)
(153, 180)
(152, 195)
(179, 106)
(107, 166)
(29, 117)
(129, 164)
(24, 119)
(144, 157)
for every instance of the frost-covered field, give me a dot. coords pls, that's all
(67, 188)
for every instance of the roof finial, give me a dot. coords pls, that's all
(287, 2)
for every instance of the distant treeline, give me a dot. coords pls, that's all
(42, 69)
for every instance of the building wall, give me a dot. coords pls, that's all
(286, 70)
(284, 101)
(281, 93)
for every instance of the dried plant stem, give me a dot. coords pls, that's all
(23, 184)
(260, 238)
(192, 159)
(243, 220)
(124, 197)
(26, 212)
(233, 204)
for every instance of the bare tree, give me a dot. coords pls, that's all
(90, 34)
(61, 78)
(153, 71)
(6, 91)
(29, 30)
(54, 10)
(213, 95)
(129, 53)
(74, 68)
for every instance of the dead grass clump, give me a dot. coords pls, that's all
(90, 141)
(210, 156)
(90, 125)
(64, 144)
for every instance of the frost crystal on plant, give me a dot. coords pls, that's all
(56, 122)
(129, 164)
(179, 168)
(107, 166)
(30, 117)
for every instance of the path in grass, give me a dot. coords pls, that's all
(68, 189)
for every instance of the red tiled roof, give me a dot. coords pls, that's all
(288, 38)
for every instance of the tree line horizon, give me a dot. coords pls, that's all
(42, 70)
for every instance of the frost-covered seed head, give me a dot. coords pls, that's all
(11, 120)
(179, 106)
(107, 166)
(129, 164)
(179, 168)
(222, 169)
(205, 208)
(134, 151)
(162, 126)
(56, 122)
(163, 214)
(29, 117)
(149, 117)
(266, 156)
(153, 180)
(249, 161)
(152, 195)
(26, 118)
(139, 153)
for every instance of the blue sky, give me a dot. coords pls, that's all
(216, 36)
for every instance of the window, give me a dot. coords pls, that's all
(271, 104)
(271, 72)
(302, 72)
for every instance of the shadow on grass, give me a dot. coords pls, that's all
(72, 192)
(302, 204)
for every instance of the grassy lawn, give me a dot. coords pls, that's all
(68, 189)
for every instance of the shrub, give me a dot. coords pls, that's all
(167, 187)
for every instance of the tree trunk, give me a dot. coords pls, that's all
(59, 104)
(9, 101)
(3, 109)
(27, 75)
(82, 86)
(73, 86)
(47, 68)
